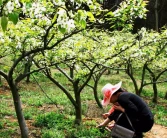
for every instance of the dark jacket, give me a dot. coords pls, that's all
(137, 110)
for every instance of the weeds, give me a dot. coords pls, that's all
(38, 108)
(55, 125)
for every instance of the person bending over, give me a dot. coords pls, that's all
(134, 106)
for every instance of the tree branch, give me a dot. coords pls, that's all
(87, 80)
(65, 74)
(22, 76)
(62, 88)
(3, 75)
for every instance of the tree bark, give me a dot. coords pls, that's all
(129, 71)
(155, 91)
(78, 110)
(96, 78)
(0, 81)
(18, 109)
(96, 97)
(143, 78)
(156, 16)
(28, 76)
(165, 96)
(154, 80)
(27, 67)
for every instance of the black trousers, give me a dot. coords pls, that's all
(140, 126)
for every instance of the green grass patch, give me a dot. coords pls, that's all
(56, 125)
(160, 114)
(52, 124)
(6, 133)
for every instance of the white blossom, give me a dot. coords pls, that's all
(71, 23)
(61, 12)
(24, 8)
(17, 3)
(9, 7)
(58, 2)
(18, 45)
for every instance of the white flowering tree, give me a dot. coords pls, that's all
(43, 26)
(157, 59)
(147, 56)
(77, 59)
(10, 11)
(83, 58)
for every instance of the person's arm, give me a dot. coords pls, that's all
(119, 107)
(105, 123)
(111, 110)
(105, 115)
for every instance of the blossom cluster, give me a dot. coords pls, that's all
(10, 6)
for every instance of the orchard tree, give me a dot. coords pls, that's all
(80, 59)
(45, 25)
(157, 65)
(73, 59)
(147, 56)
(96, 76)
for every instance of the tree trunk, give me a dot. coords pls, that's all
(28, 76)
(154, 80)
(156, 16)
(27, 68)
(0, 81)
(78, 110)
(143, 78)
(129, 71)
(18, 109)
(165, 96)
(95, 90)
(155, 91)
(97, 99)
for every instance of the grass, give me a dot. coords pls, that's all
(46, 118)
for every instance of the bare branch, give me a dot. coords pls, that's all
(3, 74)
(65, 74)
(22, 76)
(62, 88)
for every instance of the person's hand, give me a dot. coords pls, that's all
(120, 108)
(110, 126)
(100, 126)
(105, 115)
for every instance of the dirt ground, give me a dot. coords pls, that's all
(157, 131)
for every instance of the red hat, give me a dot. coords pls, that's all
(108, 90)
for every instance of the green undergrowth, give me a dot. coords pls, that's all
(56, 125)
(52, 113)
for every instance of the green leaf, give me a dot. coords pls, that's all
(91, 17)
(54, 18)
(13, 17)
(61, 29)
(83, 23)
(4, 23)
(111, 14)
